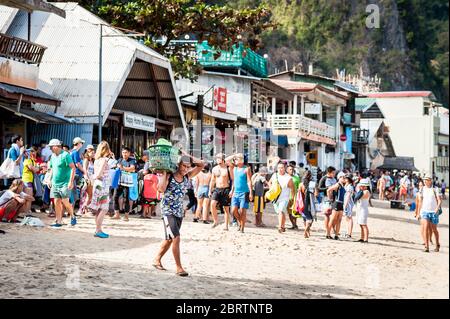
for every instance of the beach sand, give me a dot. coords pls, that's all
(261, 263)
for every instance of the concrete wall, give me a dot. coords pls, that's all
(238, 91)
(411, 131)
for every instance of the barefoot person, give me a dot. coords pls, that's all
(203, 180)
(287, 191)
(260, 185)
(324, 184)
(348, 204)
(62, 174)
(429, 207)
(296, 180)
(174, 188)
(308, 202)
(220, 187)
(241, 191)
(14, 201)
(337, 193)
(101, 184)
(363, 209)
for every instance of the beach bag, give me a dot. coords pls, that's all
(114, 175)
(9, 169)
(134, 189)
(274, 191)
(299, 203)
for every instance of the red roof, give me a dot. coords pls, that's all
(401, 94)
(300, 87)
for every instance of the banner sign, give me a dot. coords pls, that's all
(139, 122)
(220, 99)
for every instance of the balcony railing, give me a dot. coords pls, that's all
(21, 50)
(360, 136)
(298, 122)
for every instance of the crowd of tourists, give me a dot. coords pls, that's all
(63, 182)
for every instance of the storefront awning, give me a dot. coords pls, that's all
(220, 115)
(18, 93)
(39, 117)
(399, 163)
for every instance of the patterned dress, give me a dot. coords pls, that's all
(100, 196)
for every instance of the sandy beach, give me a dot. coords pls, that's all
(71, 263)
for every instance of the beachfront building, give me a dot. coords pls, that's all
(139, 99)
(342, 155)
(418, 128)
(311, 120)
(229, 101)
(20, 59)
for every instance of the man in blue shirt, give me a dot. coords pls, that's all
(16, 153)
(79, 173)
(122, 201)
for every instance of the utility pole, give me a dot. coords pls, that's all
(200, 104)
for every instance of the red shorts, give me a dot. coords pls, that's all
(403, 191)
(9, 217)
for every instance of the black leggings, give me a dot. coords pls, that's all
(192, 199)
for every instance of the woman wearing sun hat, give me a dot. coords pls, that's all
(363, 209)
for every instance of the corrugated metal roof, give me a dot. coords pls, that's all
(28, 94)
(362, 104)
(69, 69)
(6, 16)
(428, 94)
(65, 133)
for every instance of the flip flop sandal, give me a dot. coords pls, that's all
(159, 267)
(182, 274)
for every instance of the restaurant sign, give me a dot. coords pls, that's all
(139, 122)
(220, 99)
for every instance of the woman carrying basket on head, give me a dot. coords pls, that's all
(174, 187)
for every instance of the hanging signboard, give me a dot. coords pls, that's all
(220, 99)
(139, 122)
(313, 108)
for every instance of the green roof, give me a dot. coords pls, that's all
(362, 104)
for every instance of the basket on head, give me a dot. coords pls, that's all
(163, 156)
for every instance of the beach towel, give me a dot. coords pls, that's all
(134, 189)
(115, 178)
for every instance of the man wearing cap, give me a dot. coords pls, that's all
(62, 171)
(429, 206)
(79, 173)
(220, 187)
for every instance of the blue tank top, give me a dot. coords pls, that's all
(240, 180)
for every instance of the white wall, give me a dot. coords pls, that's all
(238, 91)
(411, 132)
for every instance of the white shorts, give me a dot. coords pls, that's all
(281, 206)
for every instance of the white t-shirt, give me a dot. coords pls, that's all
(284, 182)
(429, 203)
(405, 181)
(7, 196)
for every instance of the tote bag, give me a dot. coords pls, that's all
(9, 169)
(134, 190)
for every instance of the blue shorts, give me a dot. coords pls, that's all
(240, 200)
(431, 216)
(203, 192)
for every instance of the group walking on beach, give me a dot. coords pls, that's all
(98, 183)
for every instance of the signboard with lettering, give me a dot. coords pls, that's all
(313, 108)
(220, 99)
(139, 122)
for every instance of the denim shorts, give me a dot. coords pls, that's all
(431, 216)
(240, 200)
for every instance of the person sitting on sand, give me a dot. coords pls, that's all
(14, 201)
(174, 187)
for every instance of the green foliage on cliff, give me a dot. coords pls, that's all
(409, 51)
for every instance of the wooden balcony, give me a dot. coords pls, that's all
(302, 126)
(21, 50)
